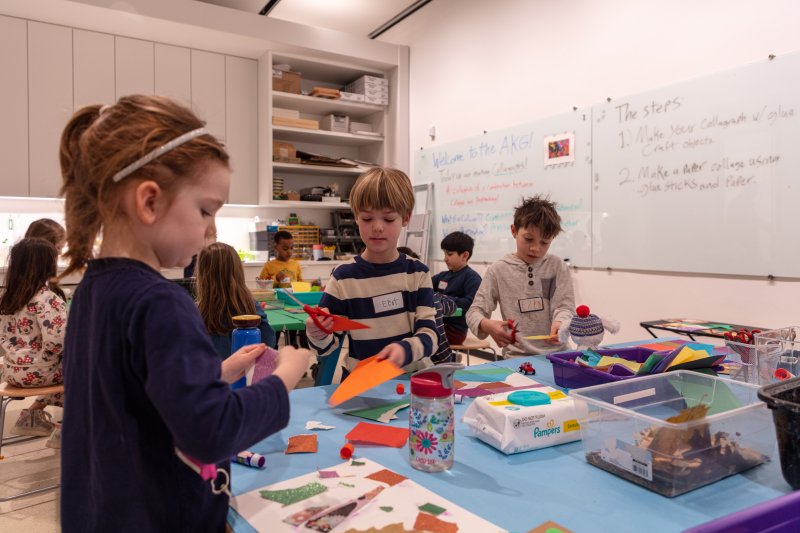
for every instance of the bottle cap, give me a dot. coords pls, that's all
(347, 451)
(434, 382)
(246, 321)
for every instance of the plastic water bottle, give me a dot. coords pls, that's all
(246, 332)
(431, 446)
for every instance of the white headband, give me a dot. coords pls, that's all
(158, 152)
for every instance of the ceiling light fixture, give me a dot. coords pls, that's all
(389, 24)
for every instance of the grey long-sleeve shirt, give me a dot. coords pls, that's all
(533, 295)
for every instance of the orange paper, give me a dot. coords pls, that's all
(550, 527)
(428, 522)
(368, 433)
(302, 444)
(387, 476)
(367, 374)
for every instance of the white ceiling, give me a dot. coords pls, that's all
(358, 17)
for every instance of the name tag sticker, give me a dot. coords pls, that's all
(388, 302)
(531, 304)
(442, 285)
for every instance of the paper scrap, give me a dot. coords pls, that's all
(540, 337)
(325, 474)
(435, 510)
(607, 361)
(317, 425)
(428, 522)
(302, 444)
(266, 363)
(301, 516)
(386, 508)
(391, 528)
(357, 463)
(368, 433)
(458, 384)
(387, 476)
(297, 494)
(484, 374)
(367, 374)
(494, 385)
(550, 527)
(383, 412)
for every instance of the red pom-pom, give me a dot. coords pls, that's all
(347, 451)
(583, 311)
(400, 389)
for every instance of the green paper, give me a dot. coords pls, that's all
(290, 496)
(435, 510)
(650, 363)
(487, 375)
(387, 509)
(357, 463)
(382, 412)
(716, 394)
(348, 485)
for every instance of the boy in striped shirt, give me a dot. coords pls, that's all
(381, 288)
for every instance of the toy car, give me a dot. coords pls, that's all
(527, 369)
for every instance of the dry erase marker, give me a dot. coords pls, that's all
(251, 459)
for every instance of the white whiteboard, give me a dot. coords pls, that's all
(478, 182)
(702, 176)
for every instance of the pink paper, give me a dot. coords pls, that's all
(265, 365)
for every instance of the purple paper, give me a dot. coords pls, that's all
(475, 392)
(265, 365)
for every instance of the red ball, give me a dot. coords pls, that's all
(347, 451)
(400, 389)
(583, 311)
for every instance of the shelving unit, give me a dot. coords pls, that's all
(318, 72)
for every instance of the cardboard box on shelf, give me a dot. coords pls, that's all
(283, 151)
(296, 123)
(288, 82)
(351, 97)
(339, 123)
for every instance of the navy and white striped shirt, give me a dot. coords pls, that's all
(395, 299)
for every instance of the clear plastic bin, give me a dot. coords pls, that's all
(754, 364)
(778, 348)
(627, 433)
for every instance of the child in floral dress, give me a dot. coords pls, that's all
(33, 320)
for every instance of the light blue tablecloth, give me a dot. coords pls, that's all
(516, 492)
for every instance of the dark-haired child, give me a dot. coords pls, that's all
(283, 269)
(458, 282)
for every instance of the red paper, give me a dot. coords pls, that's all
(387, 476)
(368, 433)
(302, 444)
(428, 522)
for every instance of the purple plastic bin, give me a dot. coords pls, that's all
(570, 375)
(773, 516)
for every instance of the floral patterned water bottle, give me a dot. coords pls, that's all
(431, 419)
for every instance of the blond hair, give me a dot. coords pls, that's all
(221, 289)
(99, 141)
(383, 188)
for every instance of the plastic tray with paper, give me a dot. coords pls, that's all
(675, 432)
(570, 375)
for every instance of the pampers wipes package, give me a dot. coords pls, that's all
(524, 420)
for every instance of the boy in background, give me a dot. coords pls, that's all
(458, 282)
(283, 269)
(533, 288)
(386, 290)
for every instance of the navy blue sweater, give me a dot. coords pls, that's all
(142, 377)
(461, 287)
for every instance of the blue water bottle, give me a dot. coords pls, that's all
(246, 332)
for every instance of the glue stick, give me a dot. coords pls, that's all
(254, 460)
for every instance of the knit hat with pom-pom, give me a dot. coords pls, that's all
(585, 324)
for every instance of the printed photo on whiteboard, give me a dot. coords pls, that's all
(559, 149)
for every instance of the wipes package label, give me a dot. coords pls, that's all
(514, 428)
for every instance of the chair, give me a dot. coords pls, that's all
(9, 393)
(472, 343)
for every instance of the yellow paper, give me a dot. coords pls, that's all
(539, 337)
(606, 361)
(686, 355)
(301, 286)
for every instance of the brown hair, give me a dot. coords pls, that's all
(221, 289)
(31, 266)
(100, 141)
(540, 212)
(383, 188)
(47, 229)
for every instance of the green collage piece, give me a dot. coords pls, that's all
(435, 510)
(297, 494)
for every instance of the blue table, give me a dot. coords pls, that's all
(516, 492)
